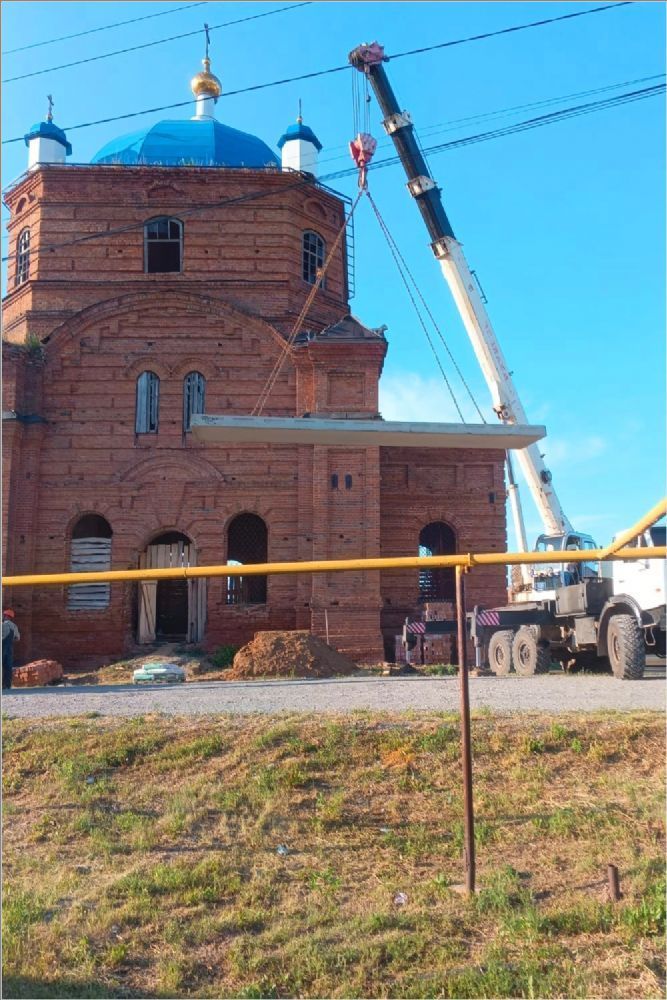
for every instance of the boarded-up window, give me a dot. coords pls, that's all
(194, 392)
(90, 552)
(148, 400)
(163, 245)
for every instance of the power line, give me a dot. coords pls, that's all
(453, 123)
(541, 121)
(148, 45)
(318, 73)
(104, 27)
(517, 27)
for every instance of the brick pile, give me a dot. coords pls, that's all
(37, 674)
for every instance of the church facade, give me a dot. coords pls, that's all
(160, 282)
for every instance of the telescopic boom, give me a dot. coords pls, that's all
(368, 59)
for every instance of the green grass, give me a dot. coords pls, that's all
(160, 876)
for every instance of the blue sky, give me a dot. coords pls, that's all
(565, 225)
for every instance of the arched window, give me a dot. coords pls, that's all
(90, 552)
(313, 256)
(437, 539)
(148, 401)
(22, 257)
(246, 543)
(163, 245)
(194, 397)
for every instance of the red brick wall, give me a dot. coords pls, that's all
(103, 321)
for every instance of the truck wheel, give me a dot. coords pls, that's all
(530, 654)
(625, 646)
(500, 652)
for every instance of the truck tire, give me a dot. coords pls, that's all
(530, 654)
(500, 652)
(625, 646)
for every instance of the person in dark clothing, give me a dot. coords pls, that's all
(10, 633)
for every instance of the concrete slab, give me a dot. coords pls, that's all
(362, 433)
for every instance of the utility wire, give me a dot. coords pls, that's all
(148, 45)
(543, 120)
(453, 124)
(310, 76)
(516, 27)
(104, 27)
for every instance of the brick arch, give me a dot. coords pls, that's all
(147, 363)
(196, 466)
(194, 364)
(150, 299)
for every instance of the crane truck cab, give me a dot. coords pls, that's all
(546, 578)
(644, 582)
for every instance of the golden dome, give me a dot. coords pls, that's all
(206, 83)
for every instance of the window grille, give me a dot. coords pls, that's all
(22, 257)
(246, 543)
(90, 552)
(194, 392)
(163, 245)
(148, 394)
(313, 257)
(437, 539)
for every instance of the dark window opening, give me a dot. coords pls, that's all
(313, 257)
(437, 539)
(247, 542)
(194, 392)
(148, 399)
(334, 482)
(163, 246)
(348, 482)
(22, 257)
(90, 552)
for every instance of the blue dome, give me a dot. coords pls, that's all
(299, 131)
(188, 143)
(48, 131)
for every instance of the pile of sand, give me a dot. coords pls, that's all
(288, 654)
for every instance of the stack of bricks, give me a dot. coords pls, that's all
(443, 648)
(37, 674)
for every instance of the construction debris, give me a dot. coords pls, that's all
(289, 654)
(37, 674)
(159, 673)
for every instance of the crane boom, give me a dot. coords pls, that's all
(449, 254)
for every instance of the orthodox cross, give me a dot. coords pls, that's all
(49, 116)
(207, 39)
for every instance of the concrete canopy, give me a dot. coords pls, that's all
(362, 433)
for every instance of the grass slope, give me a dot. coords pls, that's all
(140, 857)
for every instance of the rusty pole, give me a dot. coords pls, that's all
(614, 886)
(466, 747)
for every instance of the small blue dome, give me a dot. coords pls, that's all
(47, 130)
(188, 143)
(299, 131)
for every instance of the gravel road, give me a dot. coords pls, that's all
(554, 693)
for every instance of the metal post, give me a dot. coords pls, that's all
(614, 886)
(466, 748)
(326, 624)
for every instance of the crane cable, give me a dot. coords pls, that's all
(403, 269)
(296, 329)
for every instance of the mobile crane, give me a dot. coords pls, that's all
(571, 614)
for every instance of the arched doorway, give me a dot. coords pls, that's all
(437, 539)
(171, 610)
(247, 542)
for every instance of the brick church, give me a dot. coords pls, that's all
(157, 283)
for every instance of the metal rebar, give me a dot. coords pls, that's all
(466, 747)
(614, 885)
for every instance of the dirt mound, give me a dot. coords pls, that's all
(288, 654)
